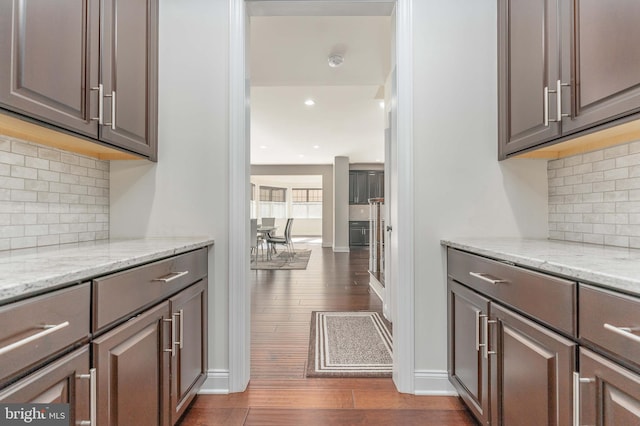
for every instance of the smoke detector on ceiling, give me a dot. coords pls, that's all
(335, 60)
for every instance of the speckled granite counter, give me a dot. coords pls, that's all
(30, 271)
(611, 267)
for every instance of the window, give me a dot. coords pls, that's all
(273, 202)
(307, 203)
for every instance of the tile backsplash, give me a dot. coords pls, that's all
(49, 196)
(595, 197)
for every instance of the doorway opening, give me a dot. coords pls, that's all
(239, 296)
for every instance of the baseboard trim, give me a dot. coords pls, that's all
(377, 287)
(433, 382)
(341, 249)
(327, 245)
(216, 383)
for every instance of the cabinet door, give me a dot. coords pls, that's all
(129, 74)
(603, 38)
(609, 394)
(133, 371)
(189, 364)
(468, 365)
(531, 372)
(362, 187)
(49, 61)
(528, 66)
(352, 188)
(61, 382)
(356, 237)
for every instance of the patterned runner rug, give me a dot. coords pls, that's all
(349, 344)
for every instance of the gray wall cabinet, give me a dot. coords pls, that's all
(95, 74)
(566, 68)
(365, 184)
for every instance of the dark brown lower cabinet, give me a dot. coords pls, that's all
(531, 372)
(188, 363)
(524, 375)
(468, 365)
(63, 381)
(609, 393)
(133, 370)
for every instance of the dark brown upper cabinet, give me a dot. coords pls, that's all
(85, 66)
(566, 68)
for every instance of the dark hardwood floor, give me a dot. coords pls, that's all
(279, 393)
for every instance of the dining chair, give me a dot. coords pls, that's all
(254, 237)
(285, 240)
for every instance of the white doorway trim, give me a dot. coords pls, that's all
(239, 177)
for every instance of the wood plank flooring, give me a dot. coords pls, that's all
(279, 393)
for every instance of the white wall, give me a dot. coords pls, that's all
(460, 187)
(186, 192)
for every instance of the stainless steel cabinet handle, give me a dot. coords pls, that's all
(477, 331)
(576, 398)
(100, 116)
(478, 325)
(485, 278)
(559, 86)
(181, 313)
(487, 321)
(172, 276)
(546, 106)
(624, 331)
(113, 110)
(172, 345)
(93, 398)
(48, 329)
(577, 381)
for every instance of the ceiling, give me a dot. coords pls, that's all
(288, 65)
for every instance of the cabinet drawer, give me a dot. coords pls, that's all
(611, 321)
(35, 329)
(549, 299)
(119, 295)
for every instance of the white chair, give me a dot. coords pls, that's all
(257, 242)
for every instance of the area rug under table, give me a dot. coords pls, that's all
(349, 344)
(283, 260)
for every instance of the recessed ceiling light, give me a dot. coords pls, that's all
(382, 104)
(309, 102)
(263, 147)
(300, 155)
(316, 147)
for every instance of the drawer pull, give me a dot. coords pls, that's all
(48, 329)
(623, 331)
(486, 278)
(171, 276)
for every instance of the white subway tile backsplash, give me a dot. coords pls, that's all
(49, 196)
(616, 151)
(596, 196)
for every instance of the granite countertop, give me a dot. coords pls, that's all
(30, 271)
(605, 266)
